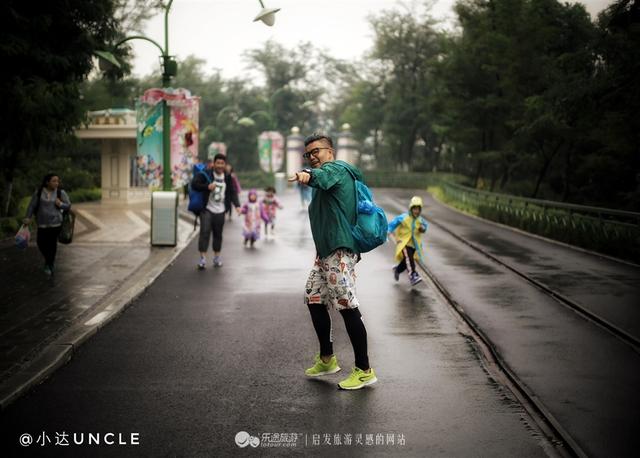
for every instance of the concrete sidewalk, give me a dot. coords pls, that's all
(110, 262)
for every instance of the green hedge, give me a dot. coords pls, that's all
(614, 238)
(10, 225)
(413, 180)
(376, 179)
(85, 195)
(257, 179)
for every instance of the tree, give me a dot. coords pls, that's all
(47, 52)
(612, 167)
(411, 47)
(287, 83)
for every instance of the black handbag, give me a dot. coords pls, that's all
(68, 223)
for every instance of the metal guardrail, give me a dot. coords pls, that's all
(610, 231)
(599, 212)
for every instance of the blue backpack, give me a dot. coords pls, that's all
(197, 201)
(370, 230)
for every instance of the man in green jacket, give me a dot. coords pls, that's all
(331, 283)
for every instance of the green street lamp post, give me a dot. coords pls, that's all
(169, 70)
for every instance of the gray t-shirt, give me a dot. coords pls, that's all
(216, 197)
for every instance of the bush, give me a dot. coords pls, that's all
(85, 195)
(417, 180)
(256, 179)
(9, 226)
(605, 236)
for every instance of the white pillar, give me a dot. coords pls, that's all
(347, 148)
(295, 148)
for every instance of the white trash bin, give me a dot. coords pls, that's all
(164, 218)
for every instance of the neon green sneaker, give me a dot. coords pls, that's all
(358, 379)
(322, 368)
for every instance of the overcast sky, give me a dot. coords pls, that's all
(220, 30)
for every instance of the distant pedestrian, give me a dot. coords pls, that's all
(47, 204)
(331, 282)
(268, 209)
(252, 219)
(407, 229)
(219, 193)
(236, 186)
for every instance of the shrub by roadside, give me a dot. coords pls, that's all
(9, 225)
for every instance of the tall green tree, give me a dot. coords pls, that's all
(410, 45)
(612, 166)
(288, 85)
(46, 52)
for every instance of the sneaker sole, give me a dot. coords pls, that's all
(333, 371)
(368, 382)
(416, 282)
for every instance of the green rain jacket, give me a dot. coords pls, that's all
(332, 211)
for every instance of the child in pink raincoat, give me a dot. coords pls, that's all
(268, 209)
(252, 219)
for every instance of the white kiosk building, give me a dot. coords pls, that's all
(116, 129)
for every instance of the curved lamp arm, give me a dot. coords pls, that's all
(223, 111)
(141, 37)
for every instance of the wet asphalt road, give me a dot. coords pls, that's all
(586, 378)
(202, 356)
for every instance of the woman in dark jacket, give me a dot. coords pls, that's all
(47, 204)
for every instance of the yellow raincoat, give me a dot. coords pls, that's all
(406, 230)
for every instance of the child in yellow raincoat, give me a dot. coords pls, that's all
(407, 230)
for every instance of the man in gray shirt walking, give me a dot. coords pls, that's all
(219, 193)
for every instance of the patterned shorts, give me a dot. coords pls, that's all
(332, 281)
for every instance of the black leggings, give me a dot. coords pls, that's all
(47, 239)
(408, 253)
(355, 329)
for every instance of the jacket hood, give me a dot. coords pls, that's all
(352, 168)
(416, 201)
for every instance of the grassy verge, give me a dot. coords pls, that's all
(614, 238)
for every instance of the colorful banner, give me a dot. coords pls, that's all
(149, 136)
(271, 151)
(183, 137)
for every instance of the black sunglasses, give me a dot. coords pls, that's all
(314, 151)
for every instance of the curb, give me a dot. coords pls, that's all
(61, 350)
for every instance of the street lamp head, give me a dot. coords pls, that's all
(246, 122)
(267, 15)
(107, 59)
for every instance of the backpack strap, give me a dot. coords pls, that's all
(202, 172)
(355, 186)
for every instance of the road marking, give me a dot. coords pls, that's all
(142, 225)
(89, 217)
